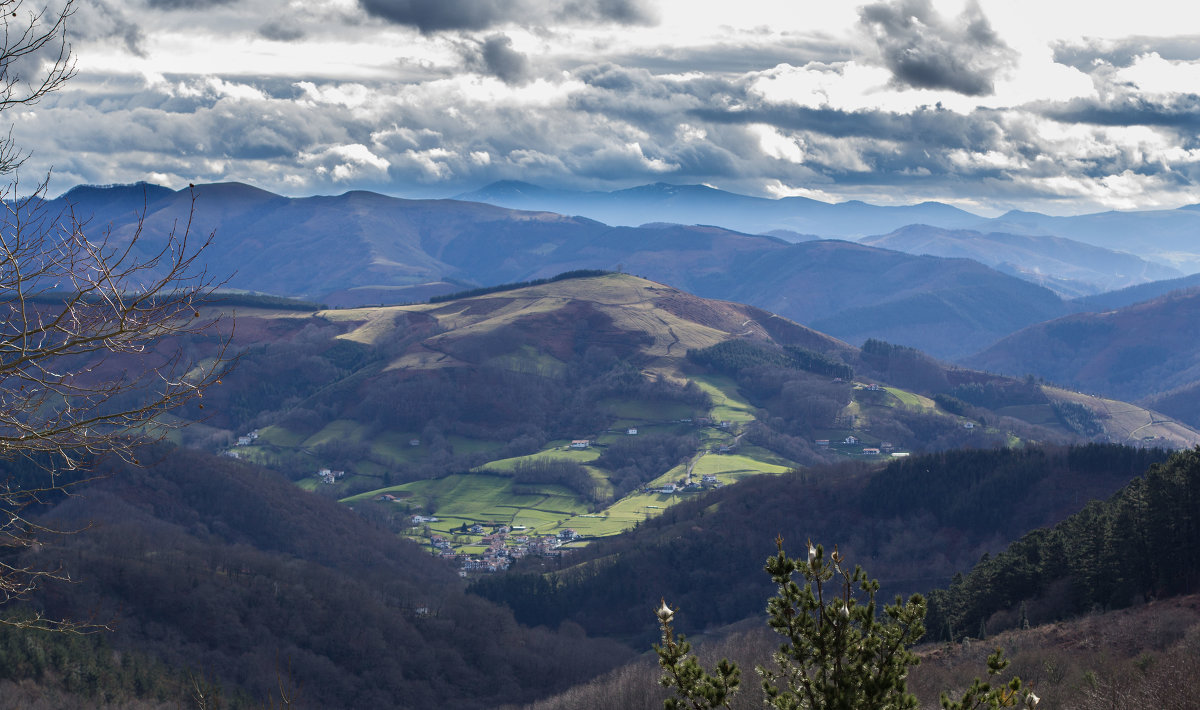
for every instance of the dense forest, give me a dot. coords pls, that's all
(1140, 544)
(913, 523)
(212, 565)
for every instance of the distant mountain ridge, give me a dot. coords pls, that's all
(1066, 266)
(1128, 353)
(702, 204)
(1166, 236)
(359, 247)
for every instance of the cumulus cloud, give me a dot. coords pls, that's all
(923, 50)
(99, 20)
(435, 15)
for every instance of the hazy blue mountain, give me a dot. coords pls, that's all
(1167, 236)
(1068, 267)
(700, 204)
(1134, 294)
(1129, 353)
(1164, 236)
(365, 248)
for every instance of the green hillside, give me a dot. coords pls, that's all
(466, 409)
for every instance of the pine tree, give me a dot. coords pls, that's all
(839, 654)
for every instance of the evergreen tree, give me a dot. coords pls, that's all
(838, 655)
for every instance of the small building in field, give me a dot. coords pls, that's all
(631, 431)
(581, 443)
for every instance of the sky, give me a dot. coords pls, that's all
(1057, 106)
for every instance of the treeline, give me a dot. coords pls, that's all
(557, 472)
(998, 393)
(903, 366)
(705, 555)
(733, 356)
(251, 300)
(484, 290)
(1142, 543)
(1078, 418)
(960, 488)
(633, 461)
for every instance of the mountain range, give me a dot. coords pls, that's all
(1071, 268)
(468, 409)
(361, 248)
(1164, 236)
(1132, 353)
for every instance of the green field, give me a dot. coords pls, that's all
(910, 400)
(484, 497)
(559, 452)
(728, 404)
(730, 468)
(638, 413)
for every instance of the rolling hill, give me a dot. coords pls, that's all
(373, 249)
(468, 409)
(1129, 353)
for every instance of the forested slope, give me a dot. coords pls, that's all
(1140, 544)
(912, 524)
(227, 569)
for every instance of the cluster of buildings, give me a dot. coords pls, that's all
(708, 480)
(244, 440)
(330, 477)
(504, 546)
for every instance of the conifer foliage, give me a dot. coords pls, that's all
(838, 652)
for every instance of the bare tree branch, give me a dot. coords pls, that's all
(91, 325)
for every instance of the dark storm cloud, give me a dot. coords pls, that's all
(101, 21)
(435, 15)
(925, 51)
(1086, 55)
(496, 56)
(1181, 112)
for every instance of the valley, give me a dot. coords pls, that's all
(427, 354)
(557, 453)
(683, 395)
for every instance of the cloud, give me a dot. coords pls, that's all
(281, 31)
(1181, 112)
(185, 4)
(98, 20)
(925, 51)
(496, 56)
(1087, 54)
(430, 16)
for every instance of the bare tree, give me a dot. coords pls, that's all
(89, 323)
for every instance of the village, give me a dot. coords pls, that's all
(484, 546)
